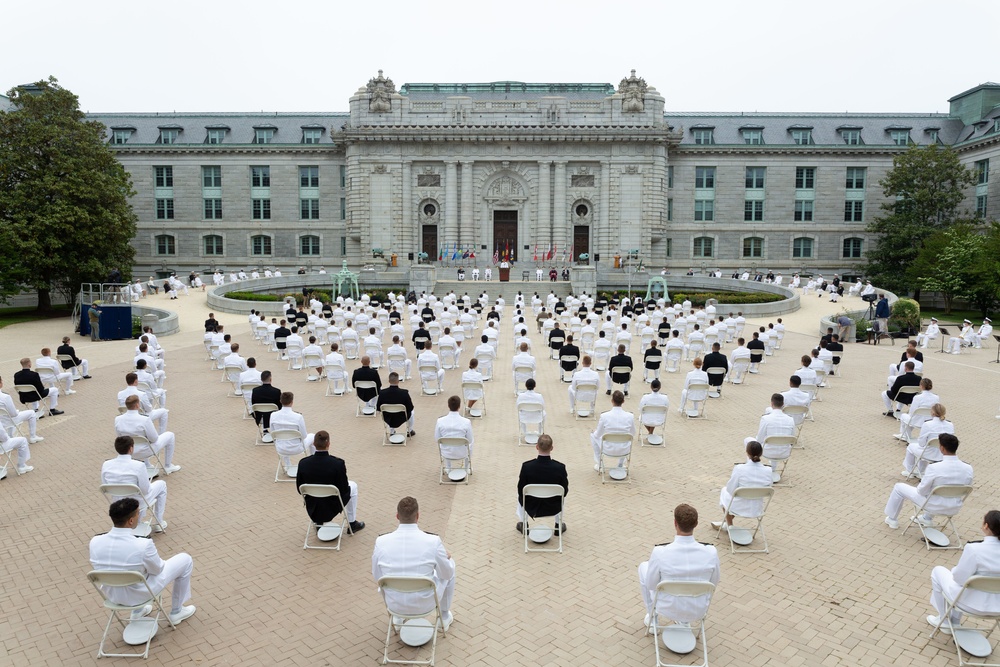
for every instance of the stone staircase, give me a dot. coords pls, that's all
(496, 288)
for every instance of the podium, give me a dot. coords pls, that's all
(505, 274)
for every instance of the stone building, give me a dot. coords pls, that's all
(468, 172)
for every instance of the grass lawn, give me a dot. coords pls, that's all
(10, 316)
(955, 317)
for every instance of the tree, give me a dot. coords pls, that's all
(925, 188)
(65, 216)
(984, 291)
(948, 260)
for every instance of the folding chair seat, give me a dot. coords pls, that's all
(617, 446)
(400, 437)
(414, 629)
(739, 537)
(231, 374)
(336, 381)
(248, 388)
(289, 469)
(540, 532)
(113, 492)
(586, 400)
(907, 419)
(278, 342)
(974, 641)
(428, 380)
(531, 423)
(137, 632)
(327, 532)
(449, 356)
(778, 449)
(738, 371)
(456, 460)
(470, 389)
(714, 390)
(294, 352)
(521, 374)
(562, 371)
(673, 361)
(363, 410)
(262, 408)
(932, 534)
(697, 408)
(659, 412)
(681, 639)
(374, 352)
(74, 369)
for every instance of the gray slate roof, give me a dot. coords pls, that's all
(288, 127)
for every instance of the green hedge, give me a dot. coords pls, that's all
(700, 298)
(254, 296)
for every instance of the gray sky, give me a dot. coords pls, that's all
(726, 55)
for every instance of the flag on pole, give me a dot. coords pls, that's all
(535, 258)
(472, 253)
(465, 255)
(496, 255)
(552, 251)
(571, 252)
(440, 253)
(454, 255)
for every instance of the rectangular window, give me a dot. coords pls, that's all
(981, 206)
(263, 135)
(309, 209)
(704, 177)
(704, 137)
(851, 137)
(163, 177)
(753, 247)
(932, 137)
(215, 135)
(311, 135)
(165, 245)
(670, 177)
(260, 245)
(670, 210)
(260, 177)
(704, 210)
(164, 209)
(309, 177)
(803, 210)
(982, 168)
(575, 180)
(169, 136)
(309, 245)
(120, 136)
(343, 176)
(802, 137)
(802, 248)
(704, 246)
(670, 247)
(211, 177)
(213, 245)
(852, 248)
(261, 209)
(755, 178)
(900, 137)
(343, 208)
(343, 245)
(753, 211)
(805, 178)
(213, 209)
(753, 137)
(856, 178)
(854, 211)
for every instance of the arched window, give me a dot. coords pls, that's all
(309, 245)
(213, 244)
(704, 246)
(260, 245)
(165, 244)
(802, 247)
(753, 246)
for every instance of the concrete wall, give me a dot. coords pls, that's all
(826, 322)
(166, 322)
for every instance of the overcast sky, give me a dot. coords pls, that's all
(223, 55)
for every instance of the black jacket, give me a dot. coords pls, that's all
(68, 350)
(365, 373)
(28, 376)
(281, 332)
(904, 380)
(322, 468)
(265, 393)
(620, 360)
(395, 396)
(756, 347)
(715, 360)
(542, 470)
(653, 356)
(569, 351)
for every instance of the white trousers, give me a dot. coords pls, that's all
(913, 451)
(159, 416)
(351, 509)
(901, 492)
(27, 416)
(53, 394)
(157, 499)
(66, 378)
(21, 445)
(520, 514)
(164, 443)
(177, 571)
(608, 383)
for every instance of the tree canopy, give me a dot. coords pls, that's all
(65, 216)
(925, 188)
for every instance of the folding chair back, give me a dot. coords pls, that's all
(659, 414)
(414, 630)
(74, 369)
(778, 448)
(911, 390)
(485, 366)
(327, 532)
(428, 379)
(290, 470)
(388, 437)
(140, 631)
(530, 415)
(397, 363)
(262, 408)
(677, 636)
(113, 492)
(452, 451)
(570, 358)
(449, 356)
(540, 534)
(521, 375)
(48, 376)
(717, 373)
(362, 409)
(738, 542)
(602, 356)
(738, 371)
(618, 446)
(698, 389)
(673, 360)
(247, 388)
(619, 371)
(475, 391)
(586, 399)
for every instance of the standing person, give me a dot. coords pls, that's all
(322, 467)
(882, 314)
(409, 551)
(541, 470)
(120, 550)
(684, 560)
(94, 317)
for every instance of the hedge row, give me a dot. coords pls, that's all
(700, 298)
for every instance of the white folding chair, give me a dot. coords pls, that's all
(714, 391)
(374, 353)
(681, 639)
(248, 388)
(673, 361)
(619, 371)
(811, 389)
(397, 438)
(740, 537)
(293, 468)
(74, 369)
(262, 408)
(933, 445)
(974, 641)
(933, 534)
(586, 400)
(362, 409)
(351, 346)
(553, 351)
(540, 533)
(798, 413)
(485, 366)
(278, 342)
(326, 532)
(521, 374)
(906, 423)
(137, 632)
(617, 446)
(477, 388)
(428, 380)
(698, 405)
(909, 389)
(654, 439)
(313, 361)
(779, 453)
(336, 381)
(294, 352)
(414, 629)
(531, 423)
(397, 363)
(48, 376)
(449, 356)
(231, 374)
(461, 455)
(562, 371)
(694, 350)
(738, 372)
(113, 492)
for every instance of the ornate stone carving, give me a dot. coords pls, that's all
(583, 170)
(380, 169)
(630, 169)
(505, 191)
(633, 92)
(380, 91)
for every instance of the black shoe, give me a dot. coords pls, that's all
(561, 529)
(87, 377)
(608, 392)
(55, 412)
(519, 527)
(626, 393)
(889, 414)
(411, 434)
(357, 526)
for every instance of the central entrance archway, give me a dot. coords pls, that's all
(505, 234)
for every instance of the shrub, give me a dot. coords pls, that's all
(253, 296)
(862, 327)
(136, 326)
(905, 315)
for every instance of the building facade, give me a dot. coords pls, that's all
(539, 173)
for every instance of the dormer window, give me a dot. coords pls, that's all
(312, 135)
(215, 134)
(802, 136)
(121, 135)
(703, 135)
(263, 134)
(752, 135)
(900, 136)
(932, 135)
(169, 134)
(851, 135)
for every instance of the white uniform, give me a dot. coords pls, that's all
(472, 375)
(775, 422)
(10, 415)
(523, 359)
(696, 376)
(929, 430)
(429, 358)
(977, 558)
(584, 374)
(159, 415)
(949, 470)
(120, 550)
(746, 474)
(653, 398)
(925, 399)
(683, 560)
(288, 419)
(932, 332)
(486, 354)
(408, 551)
(61, 375)
(615, 420)
(454, 425)
(133, 423)
(20, 444)
(123, 469)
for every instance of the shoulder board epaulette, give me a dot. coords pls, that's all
(430, 533)
(706, 544)
(381, 534)
(973, 541)
(661, 545)
(99, 534)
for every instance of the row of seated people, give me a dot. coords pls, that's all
(968, 337)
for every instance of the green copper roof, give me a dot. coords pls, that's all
(507, 87)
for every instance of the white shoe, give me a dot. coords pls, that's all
(446, 620)
(935, 621)
(267, 438)
(24, 470)
(69, 391)
(646, 620)
(892, 523)
(922, 520)
(597, 467)
(184, 613)
(162, 526)
(35, 438)
(141, 613)
(172, 468)
(3, 472)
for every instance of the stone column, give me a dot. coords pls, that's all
(468, 235)
(559, 213)
(408, 239)
(450, 204)
(602, 240)
(543, 225)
